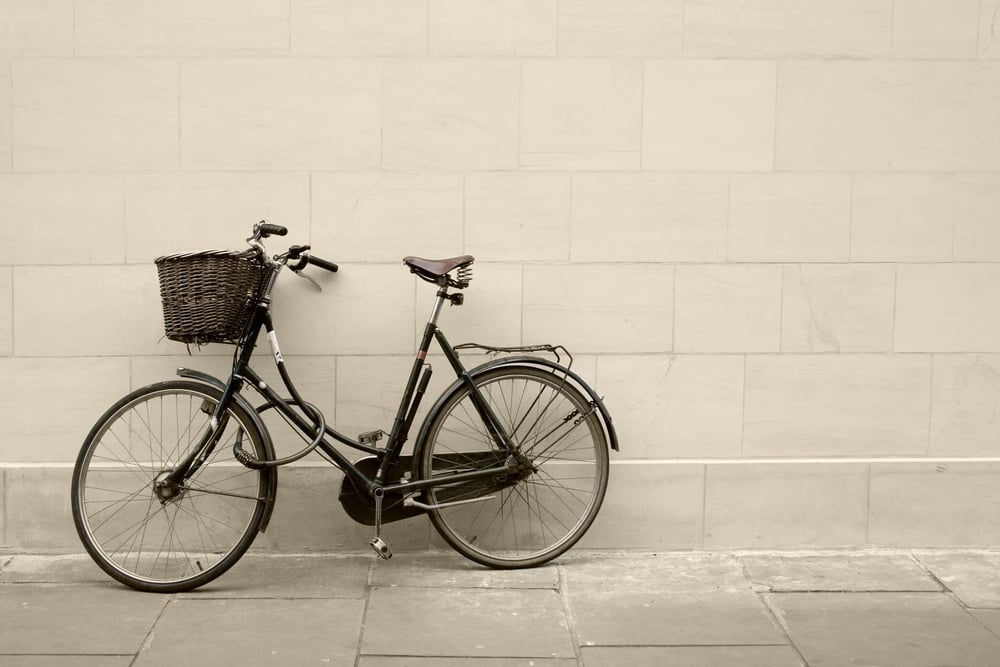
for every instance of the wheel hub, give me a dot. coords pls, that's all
(166, 490)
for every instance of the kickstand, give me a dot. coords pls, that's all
(377, 543)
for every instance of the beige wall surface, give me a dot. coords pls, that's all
(769, 230)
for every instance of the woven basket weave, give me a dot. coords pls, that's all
(208, 297)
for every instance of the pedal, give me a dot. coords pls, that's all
(381, 548)
(371, 437)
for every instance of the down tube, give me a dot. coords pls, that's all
(339, 459)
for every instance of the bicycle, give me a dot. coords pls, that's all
(175, 480)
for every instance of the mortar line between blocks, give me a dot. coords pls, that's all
(180, 123)
(774, 127)
(6, 504)
(465, 215)
(642, 107)
(743, 411)
(704, 506)
(673, 313)
(781, 308)
(868, 506)
(895, 307)
(10, 89)
(930, 406)
(850, 217)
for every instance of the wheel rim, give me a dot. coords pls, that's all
(547, 507)
(157, 533)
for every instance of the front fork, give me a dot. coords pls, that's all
(169, 484)
(196, 458)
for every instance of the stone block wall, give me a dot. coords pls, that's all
(769, 230)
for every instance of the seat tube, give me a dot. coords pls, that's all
(398, 437)
(425, 342)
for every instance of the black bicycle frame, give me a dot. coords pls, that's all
(409, 403)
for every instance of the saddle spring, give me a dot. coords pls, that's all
(464, 276)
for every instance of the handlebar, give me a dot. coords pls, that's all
(265, 229)
(322, 263)
(299, 253)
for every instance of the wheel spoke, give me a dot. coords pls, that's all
(186, 533)
(553, 499)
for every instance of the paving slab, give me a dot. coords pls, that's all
(395, 661)
(469, 622)
(691, 656)
(973, 576)
(838, 572)
(623, 618)
(66, 660)
(255, 632)
(267, 576)
(52, 569)
(666, 600)
(659, 572)
(885, 629)
(437, 609)
(71, 619)
(450, 570)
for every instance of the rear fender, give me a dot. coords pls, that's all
(524, 362)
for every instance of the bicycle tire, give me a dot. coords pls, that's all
(540, 515)
(157, 544)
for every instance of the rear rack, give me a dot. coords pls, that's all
(554, 350)
(568, 377)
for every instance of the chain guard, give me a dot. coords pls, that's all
(360, 506)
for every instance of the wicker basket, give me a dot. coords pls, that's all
(208, 297)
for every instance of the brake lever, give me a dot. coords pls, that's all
(302, 274)
(300, 254)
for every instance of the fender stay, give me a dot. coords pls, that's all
(578, 382)
(271, 474)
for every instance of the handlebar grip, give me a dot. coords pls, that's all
(267, 229)
(323, 264)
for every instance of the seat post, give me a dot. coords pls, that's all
(442, 296)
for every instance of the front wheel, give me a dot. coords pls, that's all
(526, 519)
(167, 537)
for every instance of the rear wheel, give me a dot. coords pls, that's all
(167, 537)
(530, 518)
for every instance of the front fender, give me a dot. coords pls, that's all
(271, 474)
(523, 361)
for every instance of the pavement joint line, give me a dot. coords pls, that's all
(779, 620)
(367, 597)
(944, 587)
(969, 610)
(561, 583)
(721, 645)
(847, 591)
(147, 640)
(765, 602)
